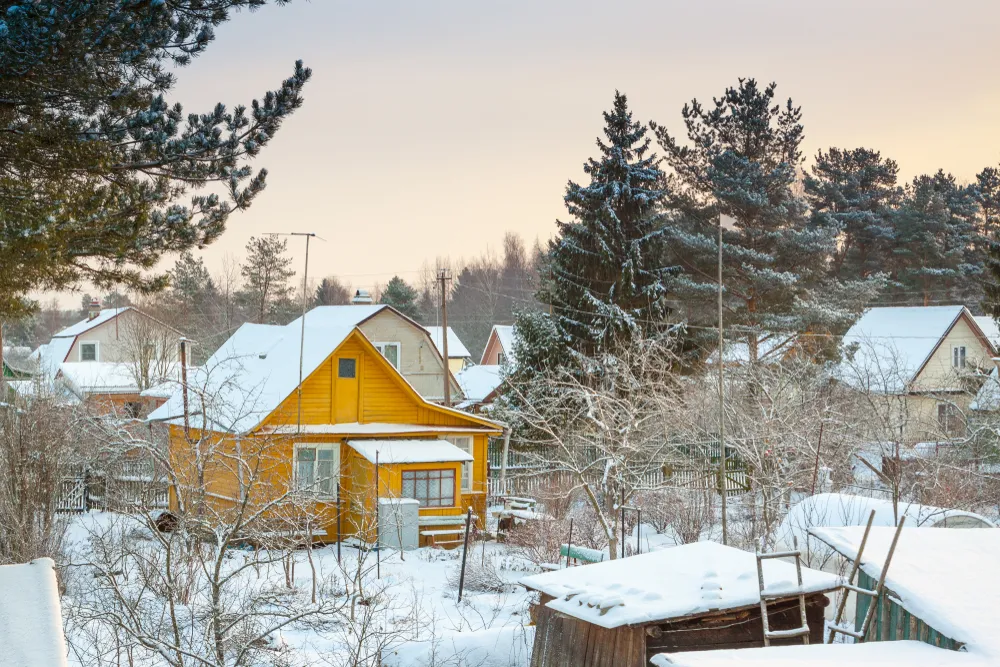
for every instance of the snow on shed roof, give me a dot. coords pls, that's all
(873, 654)
(893, 344)
(838, 510)
(944, 576)
(478, 382)
(31, 632)
(102, 377)
(678, 582)
(409, 451)
(87, 324)
(456, 348)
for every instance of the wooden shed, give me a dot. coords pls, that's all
(694, 597)
(941, 588)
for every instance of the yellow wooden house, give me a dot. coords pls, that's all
(316, 444)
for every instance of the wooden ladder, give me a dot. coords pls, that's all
(801, 631)
(859, 635)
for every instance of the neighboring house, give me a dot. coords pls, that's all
(500, 346)
(458, 355)
(354, 404)
(479, 384)
(110, 357)
(17, 364)
(404, 343)
(928, 360)
(31, 628)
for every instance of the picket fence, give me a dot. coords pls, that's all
(124, 486)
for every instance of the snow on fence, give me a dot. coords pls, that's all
(127, 485)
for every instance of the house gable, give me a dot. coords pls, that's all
(383, 395)
(494, 347)
(937, 371)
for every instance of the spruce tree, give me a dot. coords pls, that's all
(605, 277)
(855, 193)
(96, 161)
(741, 161)
(331, 292)
(266, 271)
(940, 254)
(401, 296)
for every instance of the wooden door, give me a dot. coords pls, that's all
(348, 370)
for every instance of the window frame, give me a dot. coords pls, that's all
(97, 350)
(467, 479)
(959, 356)
(949, 418)
(380, 346)
(441, 472)
(314, 489)
(340, 375)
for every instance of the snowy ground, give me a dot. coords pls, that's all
(418, 607)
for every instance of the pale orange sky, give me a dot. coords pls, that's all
(430, 128)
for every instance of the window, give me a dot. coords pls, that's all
(464, 442)
(501, 358)
(949, 419)
(88, 351)
(317, 469)
(133, 409)
(347, 368)
(958, 356)
(390, 351)
(432, 488)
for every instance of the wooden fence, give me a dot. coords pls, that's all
(125, 486)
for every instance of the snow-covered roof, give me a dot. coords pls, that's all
(31, 632)
(771, 348)
(50, 356)
(893, 344)
(478, 382)
(82, 326)
(946, 577)
(988, 396)
(382, 428)
(456, 348)
(990, 328)
(258, 368)
(906, 653)
(678, 582)
(409, 451)
(838, 509)
(105, 377)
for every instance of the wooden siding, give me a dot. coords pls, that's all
(892, 622)
(564, 641)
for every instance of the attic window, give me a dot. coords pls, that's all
(958, 356)
(88, 351)
(347, 368)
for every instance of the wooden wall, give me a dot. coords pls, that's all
(564, 641)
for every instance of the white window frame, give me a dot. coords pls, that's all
(958, 356)
(318, 446)
(466, 444)
(399, 352)
(97, 350)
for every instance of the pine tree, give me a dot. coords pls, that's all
(332, 292)
(855, 192)
(741, 161)
(266, 271)
(190, 280)
(95, 159)
(401, 296)
(988, 194)
(940, 254)
(605, 277)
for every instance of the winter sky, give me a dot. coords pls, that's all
(432, 127)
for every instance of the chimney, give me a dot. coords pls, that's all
(94, 310)
(362, 298)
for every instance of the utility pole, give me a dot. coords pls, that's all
(302, 334)
(184, 389)
(722, 405)
(443, 277)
